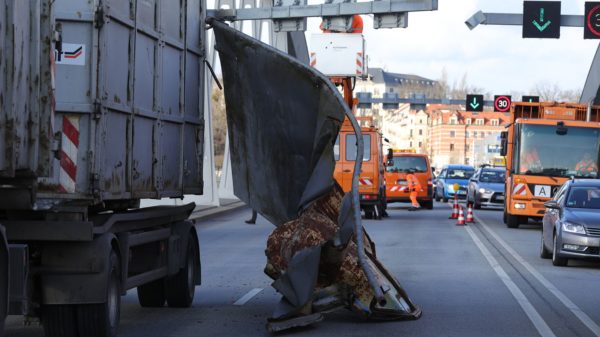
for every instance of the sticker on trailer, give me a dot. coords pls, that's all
(72, 54)
(544, 191)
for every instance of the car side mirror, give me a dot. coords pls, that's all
(552, 204)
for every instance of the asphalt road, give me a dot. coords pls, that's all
(477, 280)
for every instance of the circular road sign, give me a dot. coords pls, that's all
(593, 20)
(502, 103)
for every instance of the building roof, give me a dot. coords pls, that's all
(379, 75)
(462, 116)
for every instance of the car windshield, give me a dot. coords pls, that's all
(492, 176)
(459, 174)
(584, 197)
(544, 152)
(404, 163)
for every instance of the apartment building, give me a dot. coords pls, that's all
(460, 137)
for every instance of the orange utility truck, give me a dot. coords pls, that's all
(399, 162)
(546, 143)
(371, 182)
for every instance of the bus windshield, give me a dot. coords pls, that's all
(404, 163)
(545, 152)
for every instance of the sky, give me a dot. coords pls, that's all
(495, 58)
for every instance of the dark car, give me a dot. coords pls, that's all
(486, 187)
(448, 177)
(571, 224)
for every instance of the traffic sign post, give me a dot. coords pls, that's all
(530, 99)
(591, 27)
(474, 103)
(502, 103)
(541, 19)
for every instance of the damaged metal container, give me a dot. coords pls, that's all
(283, 119)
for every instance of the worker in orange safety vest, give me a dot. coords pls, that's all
(587, 166)
(357, 26)
(414, 187)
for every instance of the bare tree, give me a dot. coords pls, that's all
(219, 120)
(552, 92)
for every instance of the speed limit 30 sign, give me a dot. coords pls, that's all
(502, 103)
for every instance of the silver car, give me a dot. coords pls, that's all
(571, 224)
(486, 187)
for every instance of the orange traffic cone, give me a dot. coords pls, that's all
(470, 218)
(455, 208)
(461, 217)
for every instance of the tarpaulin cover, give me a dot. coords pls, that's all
(283, 118)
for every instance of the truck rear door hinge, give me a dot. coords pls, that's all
(99, 17)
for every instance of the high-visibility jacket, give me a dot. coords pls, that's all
(587, 166)
(413, 183)
(531, 161)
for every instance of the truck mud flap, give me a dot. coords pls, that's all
(283, 118)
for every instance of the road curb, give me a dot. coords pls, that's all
(213, 211)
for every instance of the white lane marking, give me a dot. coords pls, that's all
(533, 315)
(583, 317)
(248, 296)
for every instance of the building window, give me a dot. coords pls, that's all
(468, 121)
(410, 144)
(420, 121)
(420, 144)
(482, 134)
(452, 134)
(466, 147)
(479, 121)
(467, 161)
(474, 134)
(420, 132)
(494, 122)
(466, 134)
(453, 120)
(451, 147)
(411, 132)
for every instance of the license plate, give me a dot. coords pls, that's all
(500, 197)
(542, 191)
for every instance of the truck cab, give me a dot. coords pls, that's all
(546, 144)
(371, 183)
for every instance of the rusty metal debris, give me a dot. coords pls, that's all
(283, 119)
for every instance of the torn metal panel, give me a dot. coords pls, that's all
(283, 118)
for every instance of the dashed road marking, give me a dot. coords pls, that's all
(248, 296)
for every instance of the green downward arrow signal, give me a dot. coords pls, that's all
(541, 26)
(474, 104)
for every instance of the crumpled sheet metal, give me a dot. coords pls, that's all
(283, 118)
(316, 231)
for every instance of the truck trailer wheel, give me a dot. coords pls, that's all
(152, 294)
(182, 286)
(102, 320)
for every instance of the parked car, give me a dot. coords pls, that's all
(571, 223)
(486, 187)
(450, 175)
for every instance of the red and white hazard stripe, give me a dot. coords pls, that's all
(359, 64)
(313, 59)
(68, 154)
(365, 181)
(395, 188)
(519, 189)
